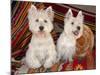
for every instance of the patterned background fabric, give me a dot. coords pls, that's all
(20, 34)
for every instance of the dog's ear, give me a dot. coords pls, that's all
(50, 13)
(32, 11)
(69, 14)
(80, 17)
(80, 20)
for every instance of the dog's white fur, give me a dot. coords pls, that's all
(41, 51)
(73, 29)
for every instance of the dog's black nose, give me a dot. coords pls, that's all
(41, 28)
(78, 27)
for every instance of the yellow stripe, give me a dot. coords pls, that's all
(21, 13)
(21, 19)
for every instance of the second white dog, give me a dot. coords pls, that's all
(41, 48)
(73, 29)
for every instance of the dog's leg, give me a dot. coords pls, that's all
(51, 57)
(48, 63)
(70, 58)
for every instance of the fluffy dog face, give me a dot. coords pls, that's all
(74, 25)
(40, 21)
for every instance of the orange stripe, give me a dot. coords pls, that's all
(21, 19)
(19, 35)
(20, 15)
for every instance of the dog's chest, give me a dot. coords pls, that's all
(41, 42)
(41, 54)
(67, 41)
(66, 45)
(40, 46)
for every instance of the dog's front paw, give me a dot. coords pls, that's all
(48, 64)
(37, 65)
(34, 64)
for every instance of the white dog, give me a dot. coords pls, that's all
(73, 29)
(41, 51)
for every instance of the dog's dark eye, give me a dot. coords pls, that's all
(37, 20)
(72, 23)
(45, 21)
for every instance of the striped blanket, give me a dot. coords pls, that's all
(20, 34)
